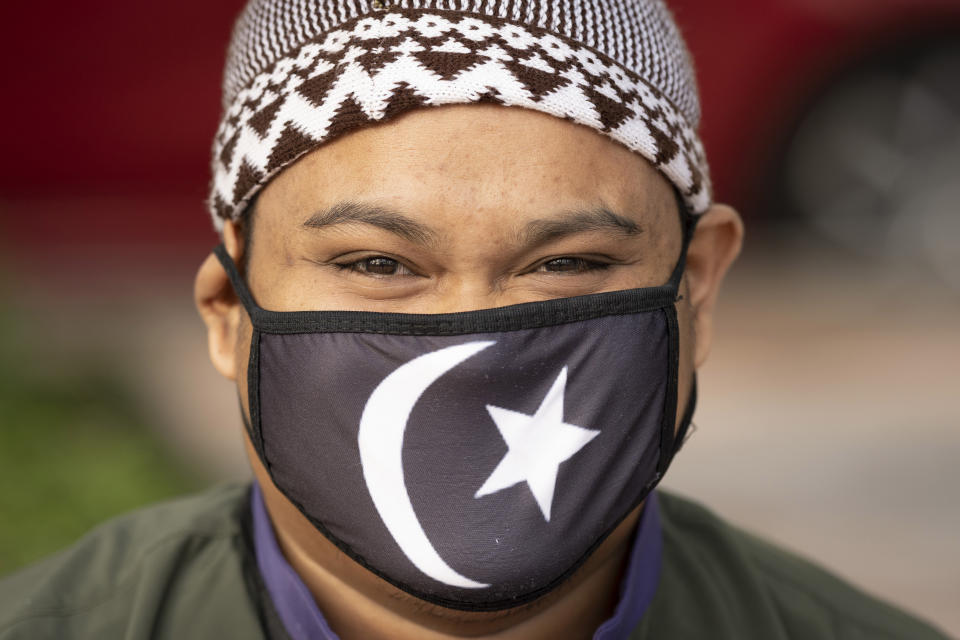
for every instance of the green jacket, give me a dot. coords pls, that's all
(186, 569)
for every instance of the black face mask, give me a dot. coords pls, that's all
(476, 459)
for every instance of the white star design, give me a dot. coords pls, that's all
(537, 445)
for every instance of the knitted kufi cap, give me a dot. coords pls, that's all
(302, 72)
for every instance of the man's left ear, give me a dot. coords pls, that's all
(715, 245)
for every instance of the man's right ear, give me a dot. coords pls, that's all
(219, 306)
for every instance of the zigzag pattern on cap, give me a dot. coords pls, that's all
(300, 73)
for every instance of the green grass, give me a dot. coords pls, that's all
(75, 449)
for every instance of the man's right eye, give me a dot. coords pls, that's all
(377, 266)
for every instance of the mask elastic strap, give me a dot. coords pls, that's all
(687, 419)
(239, 286)
(688, 225)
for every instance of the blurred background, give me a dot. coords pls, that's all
(829, 416)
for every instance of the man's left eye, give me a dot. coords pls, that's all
(571, 265)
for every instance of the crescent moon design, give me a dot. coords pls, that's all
(380, 438)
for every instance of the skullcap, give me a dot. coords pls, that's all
(302, 72)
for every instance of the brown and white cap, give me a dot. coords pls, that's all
(302, 72)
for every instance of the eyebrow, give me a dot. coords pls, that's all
(534, 233)
(544, 230)
(349, 212)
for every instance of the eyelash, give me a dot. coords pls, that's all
(354, 266)
(582, 266)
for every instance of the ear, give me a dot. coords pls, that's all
(715, 245)
(219, 306)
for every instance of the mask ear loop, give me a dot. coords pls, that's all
(683, 433)
(670, 438)
(688, 223)
(253, 366)
(687, 427)
(239, 285)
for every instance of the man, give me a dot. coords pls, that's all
(464, 338)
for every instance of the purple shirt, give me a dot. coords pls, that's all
(303, 620)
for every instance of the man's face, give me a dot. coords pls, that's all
(450, 209)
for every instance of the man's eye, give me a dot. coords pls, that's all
(377, 266)
(571, 265)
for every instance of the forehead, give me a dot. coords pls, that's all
(472, 166)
